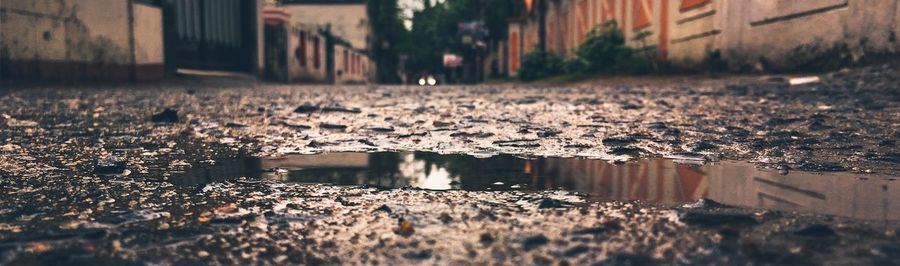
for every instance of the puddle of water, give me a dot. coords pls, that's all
(662, 181)
(222, 170)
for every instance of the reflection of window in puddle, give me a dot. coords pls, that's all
(435, 177)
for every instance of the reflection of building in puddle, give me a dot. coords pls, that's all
(380, 169)
(661, 181)
(738, 184)
(655, 181)
(844, 194)
(219, 171)
(325, 160)
(328, 168)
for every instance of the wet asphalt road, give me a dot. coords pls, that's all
(89, 175)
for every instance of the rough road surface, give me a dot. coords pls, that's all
(86, 173)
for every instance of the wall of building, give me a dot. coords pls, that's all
(569, 22)
(349, 21)
(302, 64)
(530, 36)
(695, 33)
(757, 35)
(148, 40)
(349, 65)
(496, 65)
(782, 34)
(79, 40)
(260, 36)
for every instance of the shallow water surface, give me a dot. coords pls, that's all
(662, 181)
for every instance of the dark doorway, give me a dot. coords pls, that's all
(210, 34)
(276, 67)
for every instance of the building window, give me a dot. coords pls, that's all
(346, 60)
(301, 49)
(316, 53)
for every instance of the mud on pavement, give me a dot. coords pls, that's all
(98, 175)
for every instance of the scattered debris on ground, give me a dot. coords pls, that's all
(91, 180)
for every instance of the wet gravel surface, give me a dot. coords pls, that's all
(87, 173)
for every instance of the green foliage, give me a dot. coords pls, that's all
(434, 32)
(539, 64)
(487, 171)
(714, 61)
(604, 51)
(435, 29)
(387, 34)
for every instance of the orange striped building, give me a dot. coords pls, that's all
(761, 35)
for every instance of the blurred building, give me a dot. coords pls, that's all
(745, 35)
(140, 40)
(121, 40)
(731, 183)
(318, 41)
